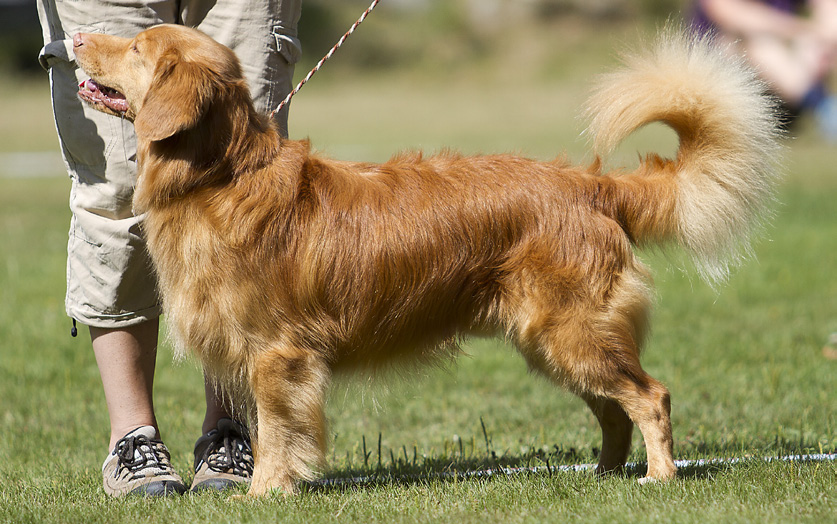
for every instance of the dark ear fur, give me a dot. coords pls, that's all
(176, 100)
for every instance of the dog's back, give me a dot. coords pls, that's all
(396, 257)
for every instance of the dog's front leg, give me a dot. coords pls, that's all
(289, 390)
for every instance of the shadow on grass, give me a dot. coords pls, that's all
(406, 471)
(401, 472)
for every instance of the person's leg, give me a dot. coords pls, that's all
(218, 407)
(223, 454)
(138, 462)
(110, 282)
(126, 359)
(263, 34)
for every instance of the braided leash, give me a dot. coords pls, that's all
(326, 57)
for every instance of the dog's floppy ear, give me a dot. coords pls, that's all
(179, 95)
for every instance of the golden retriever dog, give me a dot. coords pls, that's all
(280, 268)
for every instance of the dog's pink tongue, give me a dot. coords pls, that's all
(113, 99)
(90, 85)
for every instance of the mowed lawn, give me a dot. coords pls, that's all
(743, 363)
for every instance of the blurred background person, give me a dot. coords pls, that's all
(791, 43)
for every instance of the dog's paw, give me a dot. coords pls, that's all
(647, 480)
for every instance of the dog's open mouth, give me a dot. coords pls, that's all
(92, 92)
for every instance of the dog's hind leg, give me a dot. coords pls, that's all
(647, 402)
(591, 346)
(610, 369)
(289, 394)
(620, 396)
(617, 429)
(613, 383)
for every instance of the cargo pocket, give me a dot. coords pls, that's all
(110, 277)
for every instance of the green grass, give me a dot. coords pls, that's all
(743, 364)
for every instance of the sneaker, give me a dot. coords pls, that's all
(140, 464)
(223, 457)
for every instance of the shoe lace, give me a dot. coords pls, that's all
(138, 453)
(229, 453)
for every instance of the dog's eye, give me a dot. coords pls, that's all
(134, 47)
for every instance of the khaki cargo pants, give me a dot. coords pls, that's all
(110, 280)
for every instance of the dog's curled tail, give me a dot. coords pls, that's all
(724, 175)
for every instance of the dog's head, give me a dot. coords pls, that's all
(163, 80)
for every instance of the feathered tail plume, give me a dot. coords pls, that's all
(725, 170)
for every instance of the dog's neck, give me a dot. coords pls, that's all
(231, 140)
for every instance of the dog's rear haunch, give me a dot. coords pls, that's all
(279, 268)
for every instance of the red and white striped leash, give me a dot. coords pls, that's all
(328, 55)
